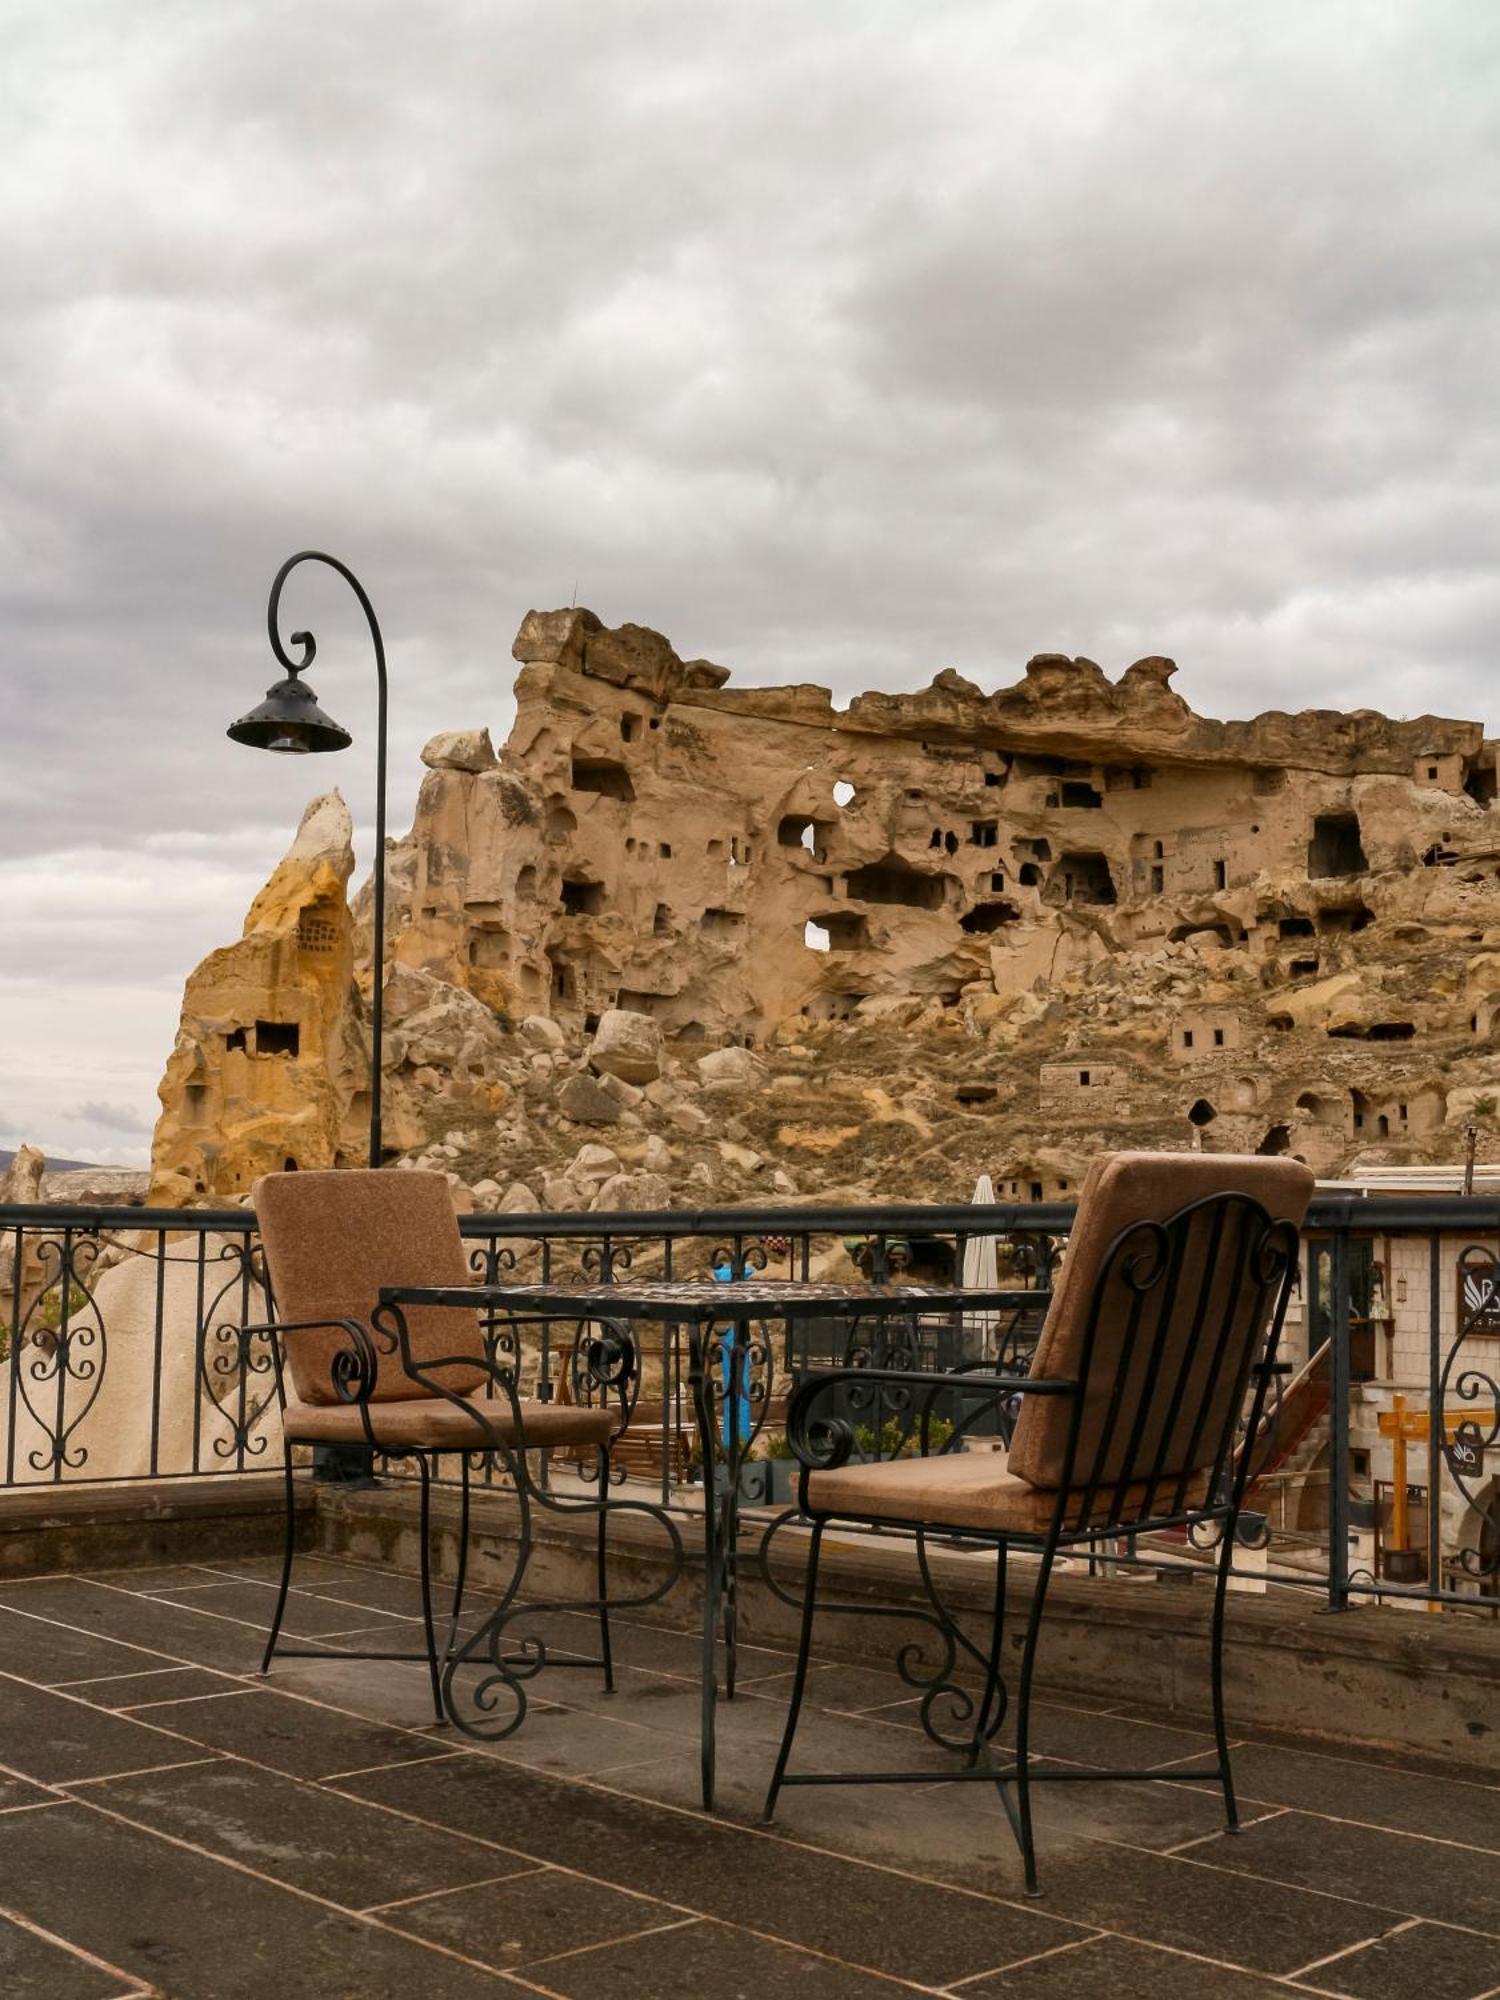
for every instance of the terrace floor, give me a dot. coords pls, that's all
(172, 1825)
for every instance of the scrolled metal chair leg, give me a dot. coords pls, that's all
(799, 1682)
(1216, 1675)
(1021, 1817)
(288, 1549)
(993, 1703)
(602, 1559)
(463, 1554)
(424, 1473)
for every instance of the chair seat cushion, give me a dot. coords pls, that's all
(970, 1489)
(431, 1424)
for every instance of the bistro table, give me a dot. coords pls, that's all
(731, 1364)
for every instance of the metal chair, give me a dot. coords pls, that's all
(1166, 1316)
(416, 1382)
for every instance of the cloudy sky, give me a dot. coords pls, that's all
(840, 342)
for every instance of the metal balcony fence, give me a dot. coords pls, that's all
(124, 1356)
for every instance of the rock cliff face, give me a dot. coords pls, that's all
(773, 946)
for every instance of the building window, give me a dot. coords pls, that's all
(1218, 1038)
(1187, 1038)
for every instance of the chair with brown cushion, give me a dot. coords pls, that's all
(413, 1384)
(1165, 1320)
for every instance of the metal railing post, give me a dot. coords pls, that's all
(1338, 1424)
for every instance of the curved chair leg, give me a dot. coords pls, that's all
(424, 1473)
(992, 1707)
(463, 1553)
(606, 1655)
(1216, 1669)
(1021, 1818)
(804, 1646)
(286, 1567)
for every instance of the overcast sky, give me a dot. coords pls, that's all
(840, 342)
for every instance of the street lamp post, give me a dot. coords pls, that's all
(290, 721)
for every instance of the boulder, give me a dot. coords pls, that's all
(690, 1119)
(518, 1199)
(592, 1164)
(542, 1032)
(560, 1195)
(460, 750)
(633, 1190)
(729, 1069)
(658, 1156)
(585, 1100)
(622, 1092)
(627, 1045)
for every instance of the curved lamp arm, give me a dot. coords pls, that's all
(309, 647)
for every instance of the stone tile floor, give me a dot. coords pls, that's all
(172, 1825)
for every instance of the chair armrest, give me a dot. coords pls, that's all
(609, 1359)
(823, 1443)
(354, 1368)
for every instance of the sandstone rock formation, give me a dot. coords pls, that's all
(877, 949)
(271, 1062)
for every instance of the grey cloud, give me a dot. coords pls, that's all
(840, 343)
(112, 1117)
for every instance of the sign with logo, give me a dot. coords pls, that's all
(1479, 1294)
(1464, 1450)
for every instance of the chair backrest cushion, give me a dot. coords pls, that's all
(333, 1239)
(1169, 1358)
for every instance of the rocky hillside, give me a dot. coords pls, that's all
(679, 941)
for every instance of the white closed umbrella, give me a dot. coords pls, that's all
(981, 1272)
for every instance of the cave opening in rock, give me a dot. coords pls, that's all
(893, 881)
(1335, 847)
(1081, 876)
(987, 917)
(582, 898)
(276, 1038)
(603, 777)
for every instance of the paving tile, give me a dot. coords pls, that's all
(57, 1740)
(1242, 1920)
(907, 1927)
(1450, 1807)
(530, 1916)
(573, 1741)
(154, 1576)
(169, 1630)
(390, 1691)
(710, 1960)
(313, 1840)
(19, 1791)
(254, 1604)
(190, 1927)
(161, 1684)
(291, 1734)
(1112, 1968)
(1401, 1874)
(1429, 1959)
(38, 1650)
(40, 1968)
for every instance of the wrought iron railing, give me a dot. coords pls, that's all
(123, 1357)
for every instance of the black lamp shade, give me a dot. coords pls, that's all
(289, 720)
